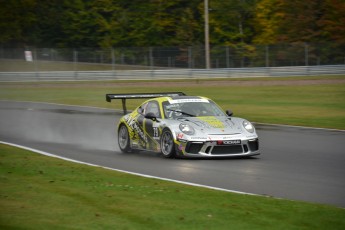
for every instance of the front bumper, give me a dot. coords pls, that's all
(219, 149)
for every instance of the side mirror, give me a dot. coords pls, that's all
(229, 113)
(151, 116)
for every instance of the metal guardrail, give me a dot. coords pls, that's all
(172, 73)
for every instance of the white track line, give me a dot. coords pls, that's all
(124, 171)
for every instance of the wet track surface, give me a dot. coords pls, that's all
(296, 163)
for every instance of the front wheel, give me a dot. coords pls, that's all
(123, 139)
(167, 144)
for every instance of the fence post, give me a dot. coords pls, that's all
(169, 62)
(306, 54)
(227, 54)
(189, 57)
(267, 56)
(190, 60)
(113, 61)
(75, 62)
(151, 58)
(36, 64)
(122, 59)
(101, 57)
(151, 61)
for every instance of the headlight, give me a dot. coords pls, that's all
(187, 129)
(248, 126)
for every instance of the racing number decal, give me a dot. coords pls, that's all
(155, 132)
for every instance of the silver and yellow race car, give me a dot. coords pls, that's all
(178, 125)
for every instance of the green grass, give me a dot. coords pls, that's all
(40, 192)
(288, 102)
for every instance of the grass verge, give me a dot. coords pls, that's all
(304, 101)
(39, 192)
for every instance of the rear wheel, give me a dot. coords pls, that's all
(167, 144)
(123, 139)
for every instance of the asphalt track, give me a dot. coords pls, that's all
(296, 163)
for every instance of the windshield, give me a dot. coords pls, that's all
(190, 108)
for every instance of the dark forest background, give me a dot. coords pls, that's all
(140, 23)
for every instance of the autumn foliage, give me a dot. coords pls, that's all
(135, 23)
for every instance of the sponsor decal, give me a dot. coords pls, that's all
(197, 138)
(155, 133)
(181, 147)
(131, 121)
(134, 143)
(213, 122)
(188, 100)
(228, 137)
(180, 135)
(232, 142)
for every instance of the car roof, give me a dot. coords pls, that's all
(186, 97)
(163, 99)
(181, 97)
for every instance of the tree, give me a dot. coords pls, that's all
(267, 21)
(114, 23)
(17, 22)
(289, 21)
(159, 23)
(231, 21)
(332, 21)
(49, 26)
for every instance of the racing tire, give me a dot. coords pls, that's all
(167, 144)
(123, 139)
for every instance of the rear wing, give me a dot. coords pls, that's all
(123, 97)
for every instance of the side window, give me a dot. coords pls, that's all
(171, 111)
(141, 109)
(153, 107)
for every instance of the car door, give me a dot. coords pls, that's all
(140, 138)
(151, 126)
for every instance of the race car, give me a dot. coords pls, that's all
(175, 124)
